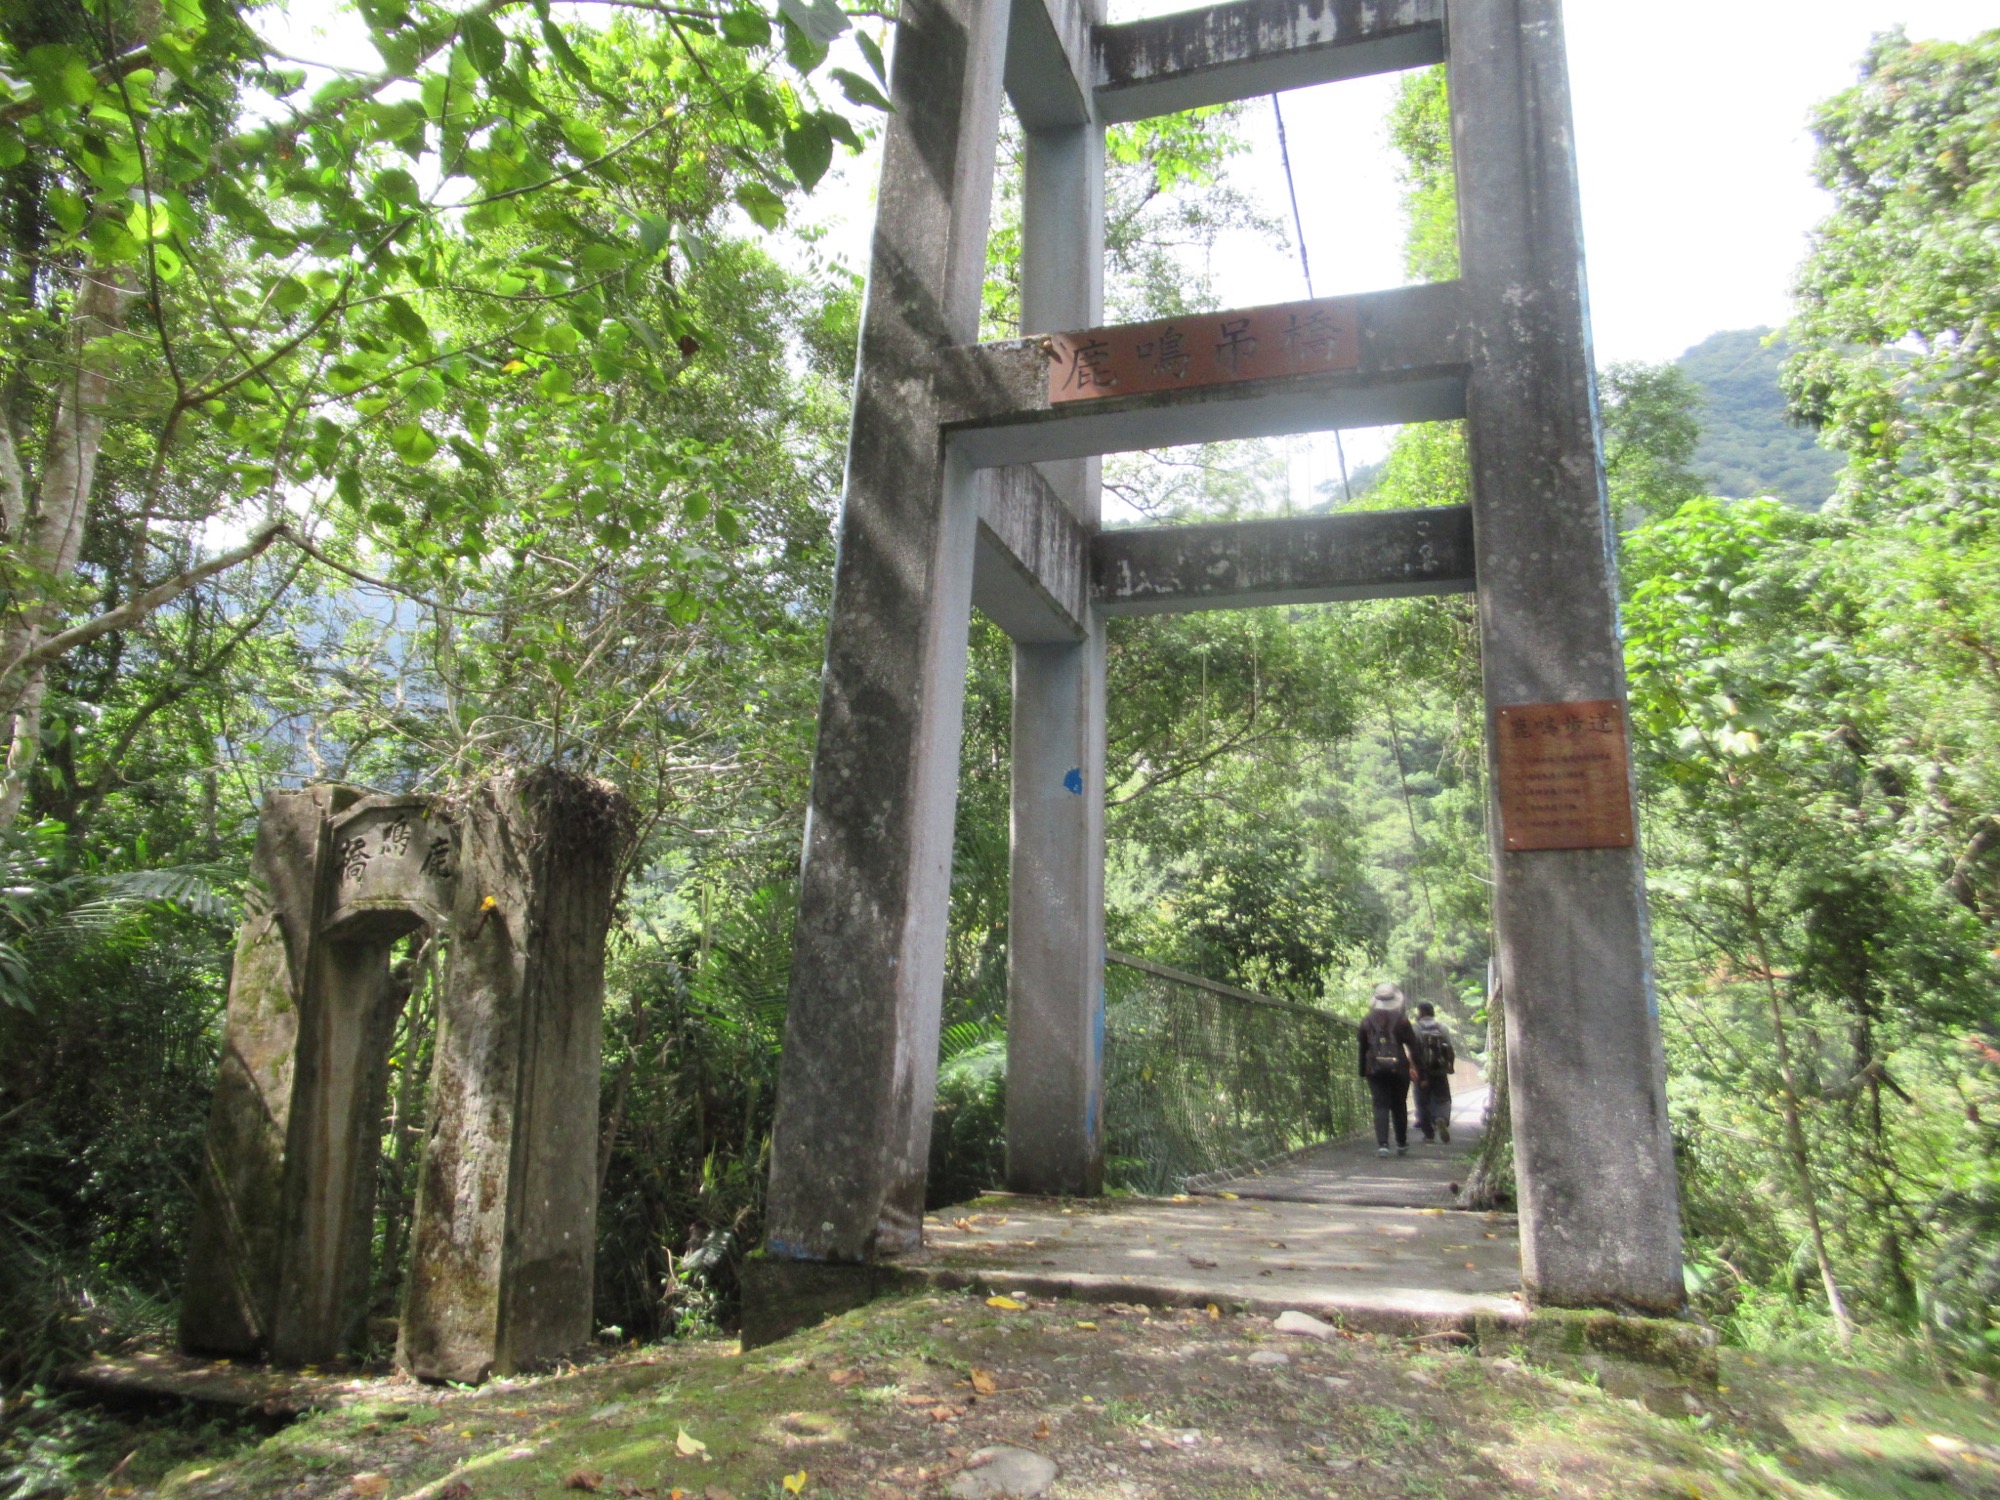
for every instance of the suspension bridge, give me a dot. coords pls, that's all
(1243, 1163)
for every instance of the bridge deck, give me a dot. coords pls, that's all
(1350, 1172)
(1336, 1231)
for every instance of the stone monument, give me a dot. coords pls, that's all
(521, 877)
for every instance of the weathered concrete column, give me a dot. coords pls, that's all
(229, 1292)
(1600, 1218)
(381, 880)
(504, 1245)
(278, 1263)
(859, 1076)
(1055, 921)
(1055, 926)
(335, 1141)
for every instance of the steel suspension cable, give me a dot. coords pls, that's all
(1305, 265)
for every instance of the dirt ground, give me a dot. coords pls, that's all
(897, 1399)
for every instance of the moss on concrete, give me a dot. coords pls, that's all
(1583, 1340)
(891, 1399)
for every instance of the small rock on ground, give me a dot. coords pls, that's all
(1269, 1357)
(993, 1472)
(1291, 1321)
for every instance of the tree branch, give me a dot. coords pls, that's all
(139, 606)
(384, 584)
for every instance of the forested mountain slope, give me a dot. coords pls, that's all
(1748, 447)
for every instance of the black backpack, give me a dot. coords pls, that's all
(1434, 1051)
(1384, 1054)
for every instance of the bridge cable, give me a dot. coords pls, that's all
(1305, 265)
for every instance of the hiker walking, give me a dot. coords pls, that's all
(1436, 1061)
(1389, 1063)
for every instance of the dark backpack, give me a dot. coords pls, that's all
(1434, 1051)
(1384, 1054)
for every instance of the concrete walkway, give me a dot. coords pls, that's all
(1395, 1270)
(1337, 1231)
(1350, 1171)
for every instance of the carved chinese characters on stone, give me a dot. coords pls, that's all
(1294, 338)
(1565, 779)
(394, 866)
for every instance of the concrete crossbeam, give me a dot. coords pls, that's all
(1221, 53)
(1031, 572)
(1049, 61)
(1382, 554)
(994, 398)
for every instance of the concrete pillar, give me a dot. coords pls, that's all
(334, 1143)
(229, 1292)
(1600, 1222)
(859, 1075)
(279, 1259)
(503, 1247)
(1055, 921)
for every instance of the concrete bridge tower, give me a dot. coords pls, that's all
(973, 481)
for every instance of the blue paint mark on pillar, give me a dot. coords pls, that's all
(1073, 783)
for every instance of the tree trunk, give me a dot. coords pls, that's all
(1490, 1186)
(49, 535)
(1795, 1134)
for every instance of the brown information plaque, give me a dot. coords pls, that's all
(1293, 338)
(1564, 777)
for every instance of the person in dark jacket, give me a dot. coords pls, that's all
(1439, 1061)
(1388, 1060)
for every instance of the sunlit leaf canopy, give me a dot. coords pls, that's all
(324, 256)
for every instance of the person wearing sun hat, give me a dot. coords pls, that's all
(1388, 1060)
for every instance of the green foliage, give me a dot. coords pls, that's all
(1420, 134)
(110, 1018)
(696, 1018)
(1798, 827)
(1898, 302)
(1650, 438)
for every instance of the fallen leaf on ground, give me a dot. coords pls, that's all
(795, 1482)
(946, 1413)
(369, 1484)
(1042, 1431)
(1088, 1327)
(983, 1382)
(845, 1377)
(688, 1447)
(588, 1480)
(1214, 1311)
(1005, 1304)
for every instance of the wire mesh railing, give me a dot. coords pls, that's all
(1204, 1081)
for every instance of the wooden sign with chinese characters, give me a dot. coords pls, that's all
(1565, 779)
(1293, 338)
